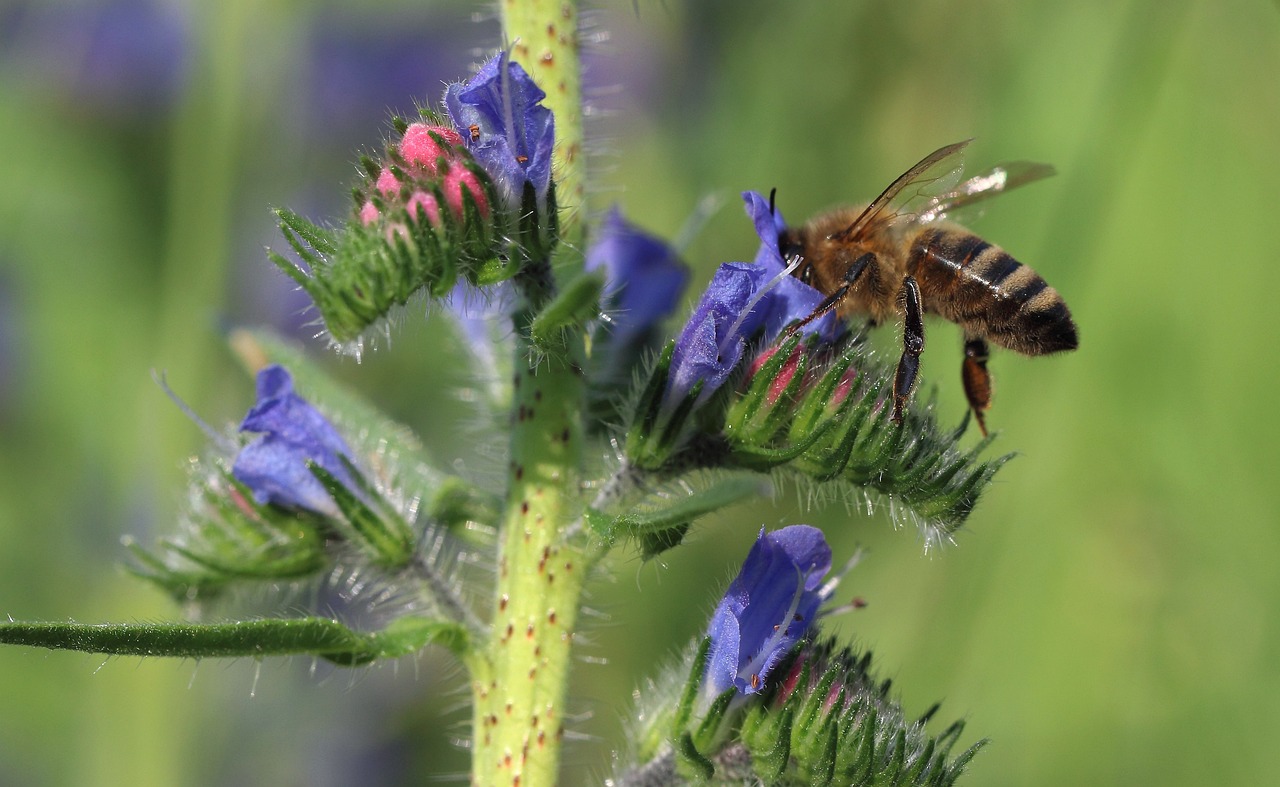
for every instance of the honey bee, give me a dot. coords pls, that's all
(896, 259)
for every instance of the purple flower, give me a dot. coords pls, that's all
(711, 343)
(791, 297)
(274, 466)
(769, 607)
(509, 132)
(643, 277)
(744, 298)
(769, 225)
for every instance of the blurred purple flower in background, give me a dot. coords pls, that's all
(644, 278)
(771, 605)
(120, 58)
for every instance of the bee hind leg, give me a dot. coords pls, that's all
(904, 380)
(977, 380)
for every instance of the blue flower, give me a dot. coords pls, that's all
(744, 298)
(643, 278)
(771, 605)
(769, 225)
(792, 298)
(508, 131)
(274, 466)
(711, 343)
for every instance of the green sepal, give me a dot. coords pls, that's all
(689, 695)
(318, 238)
(577, 303)
(648, 407)
(655, 543)
(230, 537)
(382, 534)
(770, 744)
(691, 761)
(709, 728)
(321, 637)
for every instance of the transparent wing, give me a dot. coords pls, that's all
(924, 185)
(995, 181)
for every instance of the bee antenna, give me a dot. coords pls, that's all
(773, 193)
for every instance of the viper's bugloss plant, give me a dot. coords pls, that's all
(626, 417)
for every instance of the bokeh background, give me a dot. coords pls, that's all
(1108, 616)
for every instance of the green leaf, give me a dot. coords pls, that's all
(648, 519)
(322, 637)
(573, 307)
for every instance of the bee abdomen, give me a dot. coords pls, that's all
(983, 288)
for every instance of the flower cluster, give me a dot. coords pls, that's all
(465, 195)
(278, 507)
(766, 702)
(427, 161)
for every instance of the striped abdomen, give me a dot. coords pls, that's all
(987, 292)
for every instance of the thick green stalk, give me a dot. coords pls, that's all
(520, 711)
(520, 683)
(543, 36)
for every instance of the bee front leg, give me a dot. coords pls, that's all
(977, 380)
(904, 381)
(833, 300)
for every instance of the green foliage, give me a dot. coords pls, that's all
(834, 724)
(250, 638)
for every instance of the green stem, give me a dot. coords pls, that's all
(519, 684)
(520, 705)
(253, 638)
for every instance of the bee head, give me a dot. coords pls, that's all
(789, 244)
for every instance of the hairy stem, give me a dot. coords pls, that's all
(520, 684)
(519, 710)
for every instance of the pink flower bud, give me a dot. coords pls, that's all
(387, 183)
(420, 149)
(422, 204)
(778, 386)
(368, 214)
(455, 180)
(843, 388)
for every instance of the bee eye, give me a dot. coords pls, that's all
(806, 274)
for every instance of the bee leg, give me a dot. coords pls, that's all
(912, 345)
(977, 380)
(833, 300)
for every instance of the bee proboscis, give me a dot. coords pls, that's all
(898, 259)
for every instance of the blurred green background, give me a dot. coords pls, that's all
(1108, 616)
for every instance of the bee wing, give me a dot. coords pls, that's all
(936, 174)
(994, 181)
